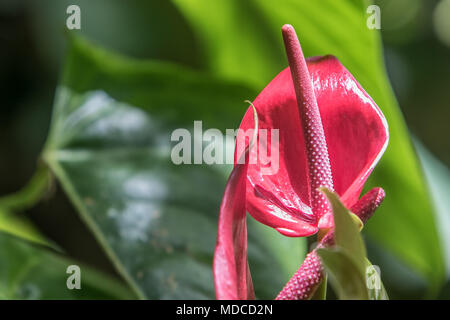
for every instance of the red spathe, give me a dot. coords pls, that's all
(356, 134)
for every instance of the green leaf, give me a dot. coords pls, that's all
(347, 279)
(28, 196)
(349, 256)
(375, 287)
(21, 227)
(346, 231)
(438, 179)
(13, 221)
(242, 41)
(344, 275)
(29, 272)
(110, 147)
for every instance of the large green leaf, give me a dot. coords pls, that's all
(109, 147)
(438, 178)
(242, 41)
(30, 272)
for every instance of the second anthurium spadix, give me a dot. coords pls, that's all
(331, 135)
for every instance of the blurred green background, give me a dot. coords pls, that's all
(416, 40)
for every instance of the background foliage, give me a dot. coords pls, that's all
(111, 197)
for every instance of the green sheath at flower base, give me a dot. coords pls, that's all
(308, 277)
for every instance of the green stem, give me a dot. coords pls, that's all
(29, 195)
(321, 291)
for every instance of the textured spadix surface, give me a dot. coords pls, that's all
(356, 134)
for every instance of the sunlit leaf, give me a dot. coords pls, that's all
(438, 178)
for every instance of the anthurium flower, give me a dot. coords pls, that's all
(331, 134)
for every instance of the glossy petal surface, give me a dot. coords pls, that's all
(232, 278)
(356, 134)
